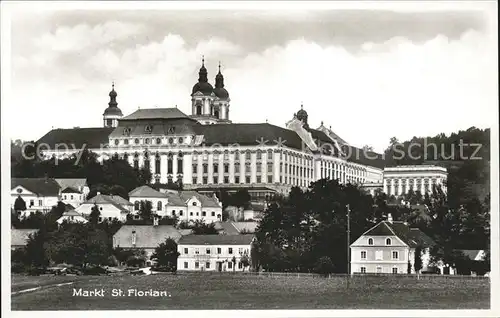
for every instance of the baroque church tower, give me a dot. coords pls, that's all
(210, 105)
(112, 113)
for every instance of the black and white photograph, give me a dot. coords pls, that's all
(269, 159)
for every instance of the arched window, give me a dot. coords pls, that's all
(159, 206)
(136, 205)
(146, 161)
(179, 163)
(157, 164)
(388, 241)
(370, 241)
(170, 166)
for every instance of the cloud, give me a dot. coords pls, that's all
(82, 36)
(396, 87)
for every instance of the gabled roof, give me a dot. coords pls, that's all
(71, 213)
(412, 237)
(74, 183)
(246, 226)
(70, 190)
(248, 135)
(19, 237)
(156, 113)
(245, 239)
(206, 202)
(174, 199)
(116, 201)
(472, 254)
(77, 137)
(227, 228)
(146, 236)
(45, 187)
(146, 192)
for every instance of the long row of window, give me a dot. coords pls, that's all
(150, 141)
(218, 250)
(208, 265)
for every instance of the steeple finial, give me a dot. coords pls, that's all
(321, 123)
(219, 66)
(203, 60)
(301, 105)
(112, 96)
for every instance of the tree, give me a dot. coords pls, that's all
(35, 250)
(324, 266)
(94, 215)
(245, 261)
(201, 228)
(19, 204)
(145, 211)
(418, 259)
(167, 220)
(166, 255)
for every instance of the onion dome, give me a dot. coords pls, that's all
(302, 115)
(113, 105)
(203, 85)
(219, 90)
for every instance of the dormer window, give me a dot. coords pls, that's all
(171, 130)
(388, 241)
(126, 131)
(148, 129)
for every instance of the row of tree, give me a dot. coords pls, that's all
(307, 231)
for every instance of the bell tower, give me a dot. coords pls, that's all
(112, 113)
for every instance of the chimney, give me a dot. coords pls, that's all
(389, 218)
(134, 238)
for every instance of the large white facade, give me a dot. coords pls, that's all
(401, 179)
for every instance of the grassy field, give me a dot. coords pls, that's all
(227, 291)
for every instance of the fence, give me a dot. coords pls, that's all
(353, 277)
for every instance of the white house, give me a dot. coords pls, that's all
(158, 200)
(186, 205)
(144, 237)
(39, 194)
(389, 247)
(110, 207)
(214, 252)
(74, 191)
(71, 217)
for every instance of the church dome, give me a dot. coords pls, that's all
(112, 110)
(113, 105)
(219, 90)
(203, 85)
(221, 93)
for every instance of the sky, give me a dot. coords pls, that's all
(369, 74)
